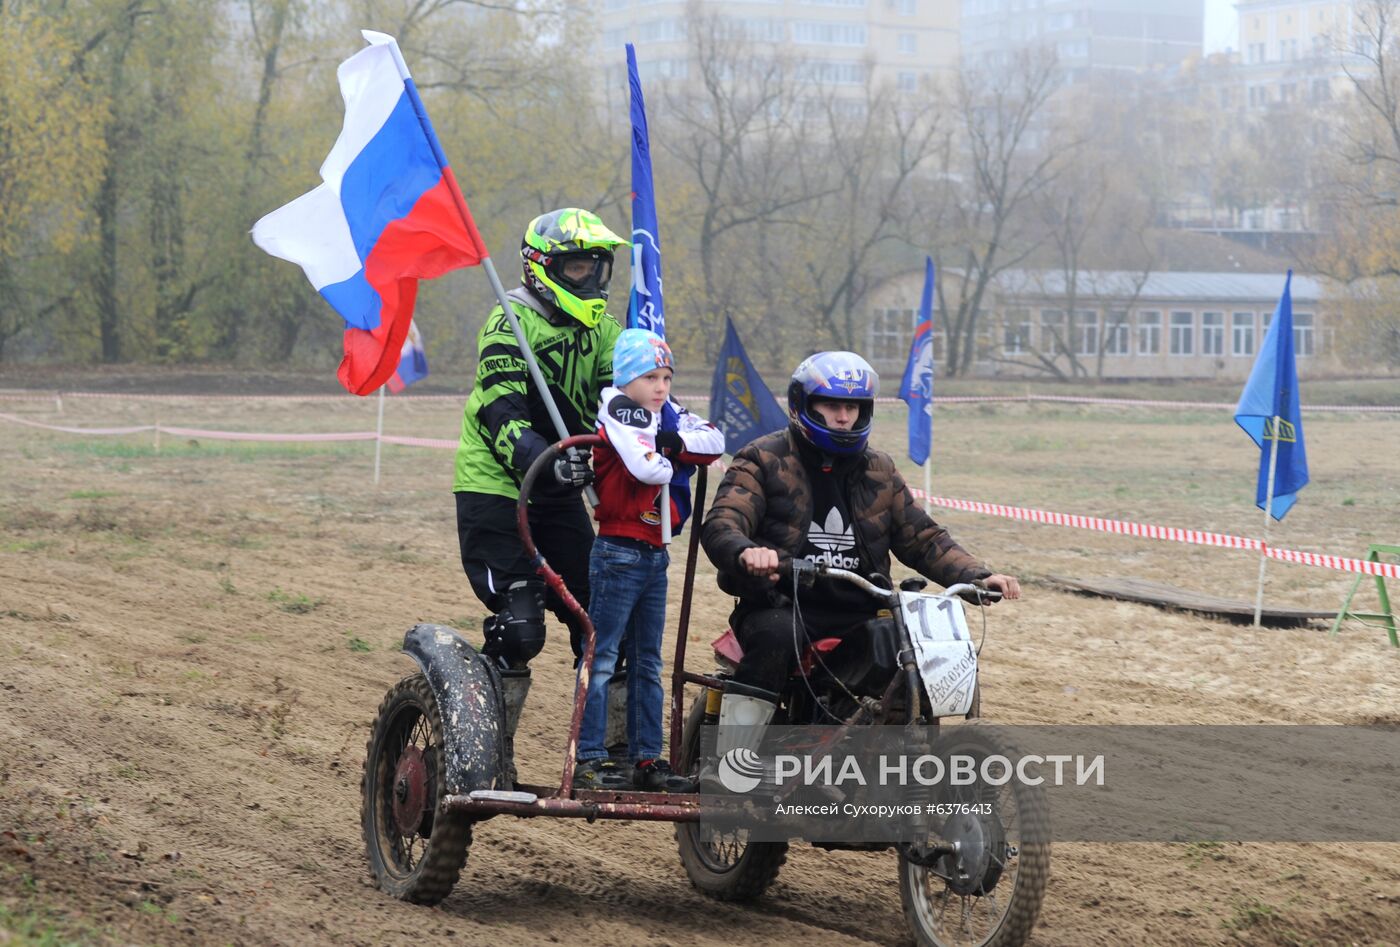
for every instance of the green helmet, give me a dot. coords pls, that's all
(568, 257)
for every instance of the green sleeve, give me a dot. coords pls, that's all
(501, 390)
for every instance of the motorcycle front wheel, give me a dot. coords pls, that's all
(990, 894)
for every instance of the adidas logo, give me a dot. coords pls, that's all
(833, 535)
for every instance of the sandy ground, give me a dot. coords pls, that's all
(193, 642)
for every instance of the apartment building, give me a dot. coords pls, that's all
(839, 43)
(1295, 50)
(1088, 37)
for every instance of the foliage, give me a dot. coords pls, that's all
(51, 121)
(141, 139)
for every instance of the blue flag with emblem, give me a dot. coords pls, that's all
(916, 388)
(1269, 413)
(740, 403)
(645, 307)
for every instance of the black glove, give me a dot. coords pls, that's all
(573, 471)
(669, 443)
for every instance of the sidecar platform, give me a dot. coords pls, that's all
(528, 801)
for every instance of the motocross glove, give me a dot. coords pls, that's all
(572, 470)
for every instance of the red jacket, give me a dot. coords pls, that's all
(630, 470)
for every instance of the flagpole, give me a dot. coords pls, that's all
(928, 461)
(461, 203)
(1268, 505)
(379, 436)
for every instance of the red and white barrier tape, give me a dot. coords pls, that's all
(1025, 514)
(1387, 569)
(1096, 523)
(250, 436)
(58, 396)
(79, 430)
(1171, 533)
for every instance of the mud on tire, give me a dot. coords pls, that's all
(416, 849)
(725, 867)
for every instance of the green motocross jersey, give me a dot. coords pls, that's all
(505, 425)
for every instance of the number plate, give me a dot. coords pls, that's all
(947, 659)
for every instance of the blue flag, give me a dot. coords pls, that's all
(644, 306)
(740, 403)
(916, 388)
(1268, 411)
(413, 362)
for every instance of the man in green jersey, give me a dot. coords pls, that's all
(562, 311)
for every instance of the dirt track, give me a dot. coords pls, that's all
(193, 642)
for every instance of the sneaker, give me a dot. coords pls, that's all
(657, 776)
(603, 774)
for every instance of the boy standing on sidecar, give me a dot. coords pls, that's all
(627, 570)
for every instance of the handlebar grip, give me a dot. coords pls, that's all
(805, 572)
(981, 596)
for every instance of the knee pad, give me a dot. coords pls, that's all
(515, 634)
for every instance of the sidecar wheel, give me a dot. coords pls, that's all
(416, 849)
(725, 865)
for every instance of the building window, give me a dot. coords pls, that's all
(1115, 332)
(1149, 333)
(1212, 333)
(1016, 332)
(1086, 332)
(826, 72)
(908, 82)
(1302, 334)
(1052, 331)
(810, 33)
(1183, 333)
(890, 332)
(908, 7)
(1242, 333)
(908, 44)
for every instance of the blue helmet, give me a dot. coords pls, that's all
(637, 352)
(834, 376)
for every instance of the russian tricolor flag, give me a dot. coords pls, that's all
(388, 214)
(413, 362)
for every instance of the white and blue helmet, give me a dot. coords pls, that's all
(637, 352)
(834, 376)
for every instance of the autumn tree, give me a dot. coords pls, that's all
(51, 144)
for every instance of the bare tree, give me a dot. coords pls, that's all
(1002, 167)
(738, 130)
(1364, 256)
(877, 146)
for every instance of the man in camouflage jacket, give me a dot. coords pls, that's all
(817, 491)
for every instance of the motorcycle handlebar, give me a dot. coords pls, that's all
(807, 572)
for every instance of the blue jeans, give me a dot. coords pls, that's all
(628, 602)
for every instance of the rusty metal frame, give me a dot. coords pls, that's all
(563, 800)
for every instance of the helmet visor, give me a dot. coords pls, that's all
(585, 273)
